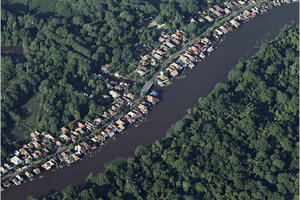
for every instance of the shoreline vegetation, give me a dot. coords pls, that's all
(46, 151)
(239, 142)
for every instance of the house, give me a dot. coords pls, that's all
(234, 23)
(129, 95)
(201, 20)
(75, 133)
(218, 13)
(69, 160)
(225, 30)
(120, 128)
(157, 56)
(161, 39)
(227, 11)
(80, 149)
(160, 52)
(75, 157)
(210, 49)
(164, 47)
(16, 160)
(46, 166)
(28, 174)
(120, 122)
(247, 14)
(6, 184)
(98, 120)
(218, 8)
(219, 32)
(172, 70)
(202, 55)
(114, 94)
(212, 10)
(192, 58)
(35, 135)
(50, 137)
(23, 152)
(73, 138)
(236, 3)
(64, 155)
(152, 99)
(3, 171)
(129, 118)
(195, 49)
(28, 159)
(184, 59)
(229, 5)
(175, 41)
(85, 145)
(64, 130)
(169, 44)
(19, 178)
(105, 115)
(208, 18)
(16, 181)
(38, 152)
(145, 57)
(37, 171)
(206, 40)
(65, 137)
(105, 67)
(111, 112)
(7, 166)
(143, 108)
(141, 73)
(111, 134)
(143, 68)
(191, 65)
(153, 61)
(80, 125)
(198, 46)
(98, 138)
(104, 134)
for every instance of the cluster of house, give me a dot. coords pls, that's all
(204, 46)
(46, 151)
(188, 58)
(153, 57)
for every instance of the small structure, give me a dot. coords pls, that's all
(16, 160)
(37, 171)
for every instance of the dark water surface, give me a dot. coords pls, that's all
(177, 98)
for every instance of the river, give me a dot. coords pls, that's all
(177, 98)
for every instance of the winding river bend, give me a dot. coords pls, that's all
(177, 98)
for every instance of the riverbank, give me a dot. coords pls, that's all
(186, 92)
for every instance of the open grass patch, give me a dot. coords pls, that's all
(28, 113)
(42, 6)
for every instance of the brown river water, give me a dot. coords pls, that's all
(177, 98)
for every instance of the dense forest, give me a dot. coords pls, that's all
(62, 49)
(240, 142)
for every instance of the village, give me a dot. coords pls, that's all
(205, 45)
(48, 151)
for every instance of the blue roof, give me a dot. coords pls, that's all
(154, 93)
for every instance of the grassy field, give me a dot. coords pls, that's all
(29, 113)
(42, 6)
(39, 6)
